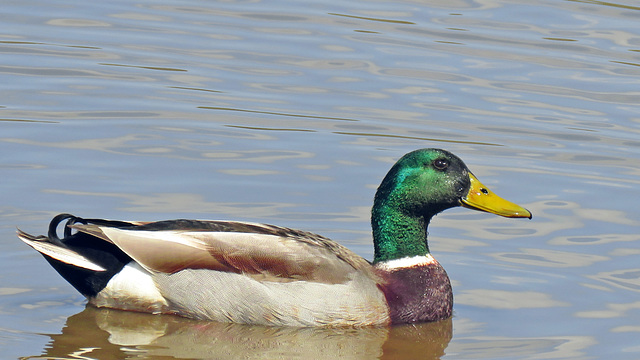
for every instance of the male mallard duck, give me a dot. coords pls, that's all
(242, 272)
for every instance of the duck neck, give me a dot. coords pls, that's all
(397, 234)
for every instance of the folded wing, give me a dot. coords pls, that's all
(265, 251)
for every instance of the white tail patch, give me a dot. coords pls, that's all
(61, 254)
(406, 262)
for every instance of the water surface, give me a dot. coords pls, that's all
(291, 113)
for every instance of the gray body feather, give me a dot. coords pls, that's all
(231, 297)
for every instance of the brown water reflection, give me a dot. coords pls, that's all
(112, 334)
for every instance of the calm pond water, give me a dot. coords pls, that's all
(291, 112)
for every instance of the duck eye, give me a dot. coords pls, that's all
(440, 164)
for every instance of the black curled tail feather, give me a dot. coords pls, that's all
(55, 222)
(71, 220)
(102, 253)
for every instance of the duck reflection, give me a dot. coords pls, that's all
(113, 334)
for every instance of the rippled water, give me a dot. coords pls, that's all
(291, 113)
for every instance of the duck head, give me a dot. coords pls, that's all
(420, 185)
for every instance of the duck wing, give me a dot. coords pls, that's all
(269, 252)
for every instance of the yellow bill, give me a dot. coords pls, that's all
(481, 198)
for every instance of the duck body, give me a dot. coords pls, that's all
(232, 271)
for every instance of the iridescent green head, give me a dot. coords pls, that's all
(420, 185)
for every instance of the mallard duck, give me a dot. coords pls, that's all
(242, 272)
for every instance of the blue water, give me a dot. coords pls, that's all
(291, 113)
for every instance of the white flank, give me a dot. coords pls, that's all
(131, 289)
(406, 262)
